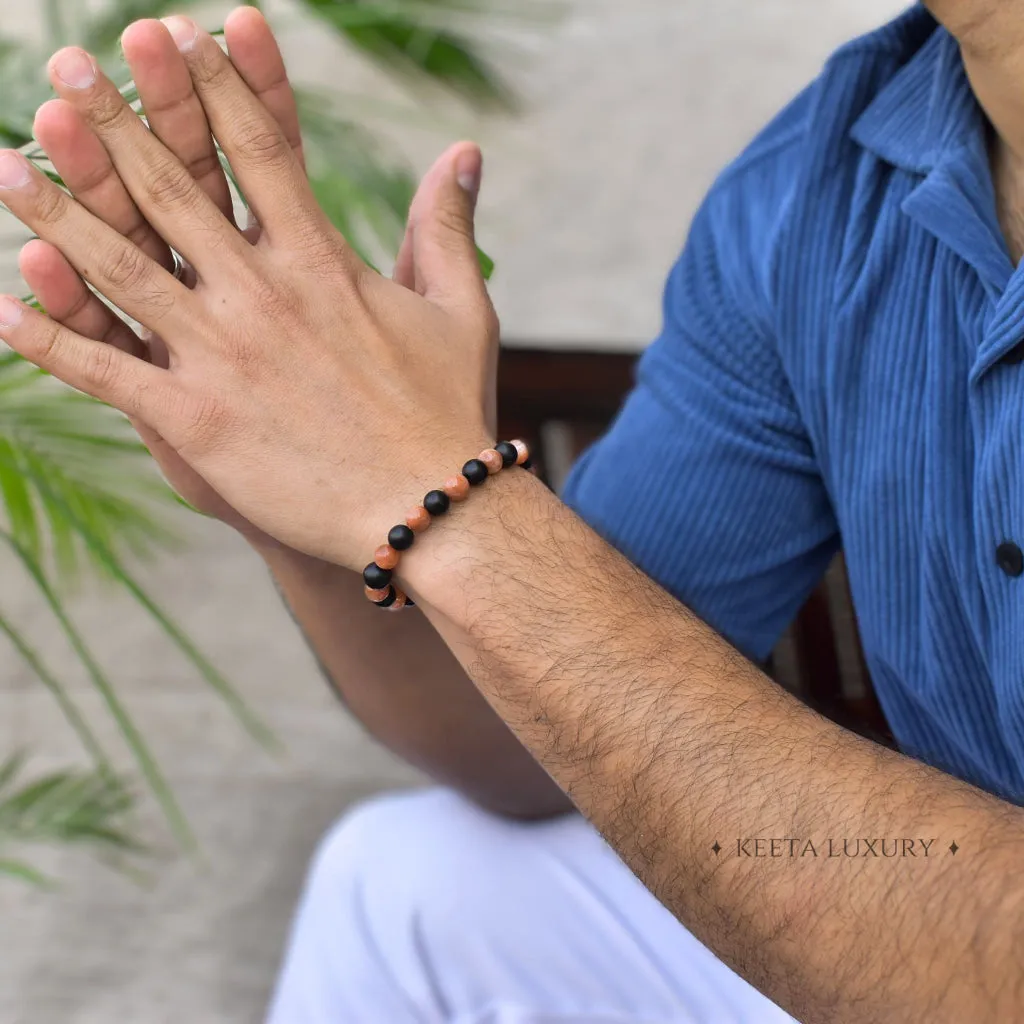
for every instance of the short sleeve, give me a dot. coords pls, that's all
(707, 479)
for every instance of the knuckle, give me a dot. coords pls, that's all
(205, 418)
(51, 203)
(318, 254)
(209, 68)
(107, 113)
(100, 367)
(170, 187)
(47, 344)
(127, 269)
(453, 227)
(264, 142)
(273, 301)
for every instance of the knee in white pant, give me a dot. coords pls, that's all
(429, 858)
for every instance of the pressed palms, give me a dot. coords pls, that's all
(78, 494)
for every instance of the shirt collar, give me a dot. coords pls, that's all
(925, 112)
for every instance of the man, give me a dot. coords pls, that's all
(839, 358)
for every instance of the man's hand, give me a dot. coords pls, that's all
(396, 675)
(306, 389)
(177, 117)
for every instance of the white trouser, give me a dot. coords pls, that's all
(421, 908)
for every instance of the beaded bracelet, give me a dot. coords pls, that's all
(378, 574)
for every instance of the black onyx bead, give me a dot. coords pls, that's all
(508, 452)
(401, 537)
(389, 600)
(437, 503)
(375, 577)
(475, 472)
(528, 464)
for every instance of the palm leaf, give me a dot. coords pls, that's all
(405, 39)
(59, 454)
(65, 459)
(68, 707)
(23, 872)
(143, 756)
(83, 808)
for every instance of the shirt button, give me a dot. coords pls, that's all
(1015, 355)
(1010, 558)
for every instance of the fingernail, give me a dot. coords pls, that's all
(184, 31)
(469, 170)
(14, 169)
(75, 68)
(11, 311)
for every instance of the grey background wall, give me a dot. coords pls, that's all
(632, 107)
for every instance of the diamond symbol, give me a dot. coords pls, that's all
(716, 848)
(953, 848)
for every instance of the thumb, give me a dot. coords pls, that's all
(442, 236)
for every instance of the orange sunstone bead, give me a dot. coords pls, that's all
(386, 556)
(401, 600)
(492, 460)
(376, 595)
(524, 452)
(457, 487)
(417, 519)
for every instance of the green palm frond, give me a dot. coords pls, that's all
(68, 706)
(24, 87)
(78, 492)
(83, 808)
(416, 40)
(66, 462)
(133, 738)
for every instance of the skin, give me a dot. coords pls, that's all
(662, 734)
(394, 673)
(990, 36)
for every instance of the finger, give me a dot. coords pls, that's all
(263, 160)
(85, 167)
(103, 371)
(443, 248)
(116, 267)
(172, 107)
(68, 300)
(257, 58)
(405, 271)
(164, 191)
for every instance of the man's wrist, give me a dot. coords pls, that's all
(470, 555)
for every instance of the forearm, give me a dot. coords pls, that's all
(670, 741)
(401, 681)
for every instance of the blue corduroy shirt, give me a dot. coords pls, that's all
(841, 366)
